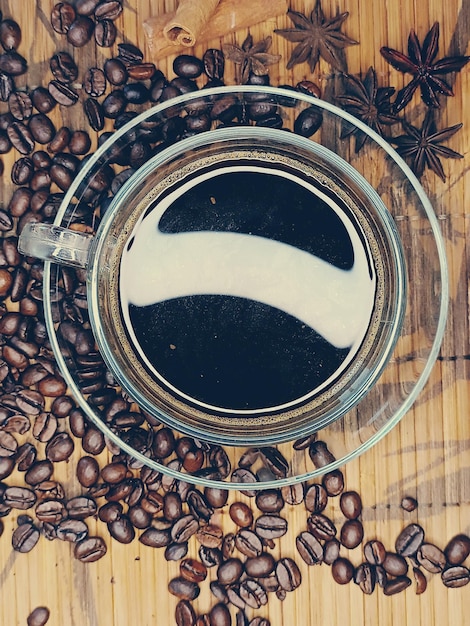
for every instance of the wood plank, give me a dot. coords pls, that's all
(427, 455)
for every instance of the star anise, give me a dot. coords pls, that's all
(420, 63)
(252, 58)
(421, 146)
(316, 36)
(368, 102)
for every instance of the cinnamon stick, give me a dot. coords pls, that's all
(229, 15)
(190, 18)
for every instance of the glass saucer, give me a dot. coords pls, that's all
(145, 440)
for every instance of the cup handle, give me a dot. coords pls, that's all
(55, 243)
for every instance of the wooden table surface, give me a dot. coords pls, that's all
(426, 456)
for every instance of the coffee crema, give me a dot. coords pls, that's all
(246, 285)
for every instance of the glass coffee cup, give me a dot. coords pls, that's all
(246, 286)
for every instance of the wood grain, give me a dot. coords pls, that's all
(426, 456)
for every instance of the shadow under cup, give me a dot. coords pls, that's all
(247, 286)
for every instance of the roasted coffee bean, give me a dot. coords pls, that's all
(397, 585)
(193, 570)
(121, 529)
(108, 10)
(156, 537)
(331, 551)
(352, 533)
(58, 144)
(458, 549)
(38, 617)
(198, 506)
(8, 444)
(188, 66)
(90, 549)
(10, 34)
(42, 100)
(172, 506)
(269, 501)
(20, 498)
(45, 427)
(136, 93)
(288, 574)
(241, 514)
(22, 171)
(342, 571)
(130, 54)
(309, 548)
(219, 615)
(308, 122)
(39, 472)
(142, 71)
(321, 526)
(94, 82)
(374, 552)
(394, 564)
(228, 545)
(270, 526)
(24, 538)
(60, 447)
(293, 494)
(116, 72)
(63, 67)
(81, 507)
(316, 498)
(275, 461)
(409, 540)
(333, 482)
(431, 558)
(214, 63)
(87, 471)
(105, 33)
(210, 536)
(50, 511)
(62, 94)
(62, 406)
(5, 143)
(72, 530)
(7, 87)
(13, 63)
(20, 105)
(41, 127)
(319, 454)
(218, 591)
(176, 551)
(229, 571)
(409, 504)
(253, 594)
(216, 497)
(350, 504)
(20, 137)
(456, 576)
(114, 472)
(114, 104)
(184, 614)
(184, 528)
(7, 465)
(248, 543)
(421, 581)
(49, 489)
(62, 17)
(260, 566)
(183, 589)
(365, 577)
(86, 7)
(6, 223)
(80, 31)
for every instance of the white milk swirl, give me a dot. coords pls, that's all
(158, 266)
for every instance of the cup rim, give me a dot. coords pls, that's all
(429, 214)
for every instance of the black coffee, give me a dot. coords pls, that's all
(247, 289)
